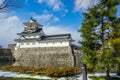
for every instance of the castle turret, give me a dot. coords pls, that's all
(32, 32)
(32, 26)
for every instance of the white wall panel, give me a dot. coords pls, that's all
(38, 44)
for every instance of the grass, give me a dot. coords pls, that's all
(103, 78)
(47, 71)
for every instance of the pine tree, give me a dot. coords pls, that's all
(116, 42)
(98, 31)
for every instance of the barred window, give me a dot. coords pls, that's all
(27, 43)
(33, 43)
(22, 43)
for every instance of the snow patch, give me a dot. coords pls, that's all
(14, 74)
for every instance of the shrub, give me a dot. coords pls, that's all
(51, 72)
(62, 71)
(48, 71)
(6, 68)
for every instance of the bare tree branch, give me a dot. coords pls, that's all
(6, 5)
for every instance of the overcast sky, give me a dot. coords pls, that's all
(57, 16)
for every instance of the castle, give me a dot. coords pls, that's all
(35, 47)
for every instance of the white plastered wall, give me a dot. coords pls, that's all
(42, 44)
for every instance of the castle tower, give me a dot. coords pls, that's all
(35, 46)
(34, 36)
(32, 33)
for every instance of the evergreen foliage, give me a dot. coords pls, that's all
(100, 32)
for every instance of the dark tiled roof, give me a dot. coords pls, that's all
(49, 37)
(44, 40)
(57, 36)
(29, 32)
(32, 23)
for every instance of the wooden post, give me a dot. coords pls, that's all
(84, 71)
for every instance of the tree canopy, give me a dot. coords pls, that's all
(100, 36)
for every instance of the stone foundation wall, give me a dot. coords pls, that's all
(6, 55)
(11, 47)
(44, 56)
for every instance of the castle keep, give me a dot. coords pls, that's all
(36, 47)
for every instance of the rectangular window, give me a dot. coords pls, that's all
(22, 43)
(27, 43)
(34, 36)
(33, 43)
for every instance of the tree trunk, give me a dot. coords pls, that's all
(118, 69)
(84, 71)
(108, 74)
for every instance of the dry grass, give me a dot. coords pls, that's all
(48, 71)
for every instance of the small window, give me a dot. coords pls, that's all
(28, 36)
(35, 36)
(22, 43)
(33, 43)
(27, 43)
(36, 26)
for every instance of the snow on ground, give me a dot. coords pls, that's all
(103, 74)
(13, 74)
(77, 77)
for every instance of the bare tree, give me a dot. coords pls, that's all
(6, 5)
